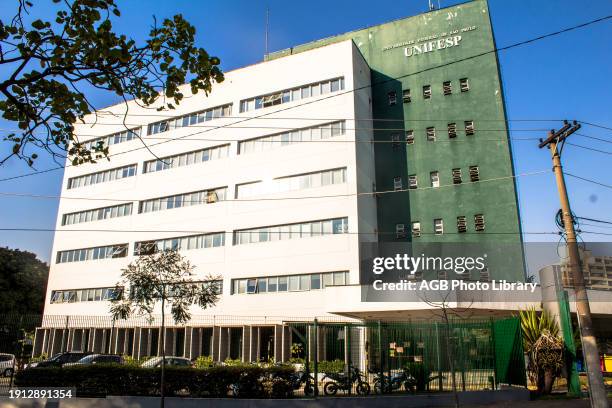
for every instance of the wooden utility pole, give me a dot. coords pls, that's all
(597, 390)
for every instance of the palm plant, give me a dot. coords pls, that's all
(543, 346)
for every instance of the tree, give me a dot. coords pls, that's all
(51, 63)
(544, 347)
(23, 279)
(164, 277)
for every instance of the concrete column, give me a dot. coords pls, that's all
(136, 343)
(57, 342)
(224, 338)
(39, 341)
(278, 343)
(214, 347)
(97, 340)
(187, 342)
(246, 344)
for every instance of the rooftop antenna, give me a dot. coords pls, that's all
(267, 28)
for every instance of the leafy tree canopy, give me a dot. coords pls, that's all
(23, 279)
(163, 276)
(50, 63)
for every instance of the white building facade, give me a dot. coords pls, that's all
(232, 191)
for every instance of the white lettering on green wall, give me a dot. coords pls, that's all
(431, 42)
(430, 46)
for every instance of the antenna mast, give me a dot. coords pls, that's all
(267, 28)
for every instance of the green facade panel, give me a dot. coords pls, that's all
(429, 49)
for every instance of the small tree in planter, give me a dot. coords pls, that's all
(543, 347)
(164, 277)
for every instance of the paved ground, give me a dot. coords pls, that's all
(552, 403)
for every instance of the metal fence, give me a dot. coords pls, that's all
(333, 356)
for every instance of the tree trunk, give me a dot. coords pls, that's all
(163, 351)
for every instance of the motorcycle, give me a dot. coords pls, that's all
(302, 377)
(396, 382)
(344, 382)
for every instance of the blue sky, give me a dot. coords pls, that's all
(567, 76)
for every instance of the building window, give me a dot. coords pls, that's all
(443, 275)
(474, 174)
(431, 134)
(290, 95)
(410, 137)
(212, 240)
(469, 127)
(438, 226)
(97, 214)
(479, 222)
(452, 130)
(88, 254)
(406, 96)
(289, 283)
(400, 231)
(447, 88)
(416, 229)
(461, 224)
(190, 119)
(412, 181)
(434, 177)
(464, 84)
(291, 231)
(183, 200)
(427, 92)
(115, 138)
(185, 159)
(292, 183)
(395, 140)
(456, 176)
(270, 142)
(86, 295)
(392, 98)
(485, 276)
(102, 176)
(397, 183)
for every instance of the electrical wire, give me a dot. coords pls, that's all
(494, 50)
(588, 148)
(247, 230)
(372, 193)
(595, 220)
(588, 180)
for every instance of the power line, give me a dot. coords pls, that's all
(588, 148)
(334, 95)
(593, 137)
(389, 129)
(594, 220)
(596, 125)
(372, 193)
(106, 113)
(281, 232)
(589, 180)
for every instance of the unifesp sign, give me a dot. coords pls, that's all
(435, 42)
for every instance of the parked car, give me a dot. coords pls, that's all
(98, 359)
(60, 359)
(7, 364)
(170, 361)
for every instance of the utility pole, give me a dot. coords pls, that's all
(597, 391)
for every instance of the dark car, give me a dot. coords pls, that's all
(170, 361)
(98, 359)
(60, 359)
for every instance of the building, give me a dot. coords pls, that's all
(597, 271)
(279, 179)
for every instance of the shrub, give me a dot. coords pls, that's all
(203, 362)
(335, 366)
(249, 381)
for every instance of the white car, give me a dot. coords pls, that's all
(7, 364)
